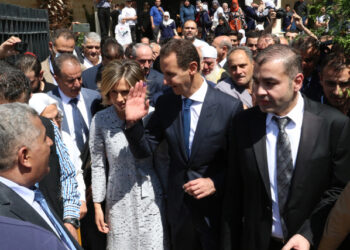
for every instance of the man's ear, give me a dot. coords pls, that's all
(23, 157)
(50, 46)
(298, 80)
(193, 67)
(41, 75)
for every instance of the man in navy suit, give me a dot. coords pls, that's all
(195, 120)
(17, 234)
(110, 50)
(24, 154)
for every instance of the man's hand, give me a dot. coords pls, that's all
(99, 219)
(83, 209)
(298, 20)
(7, 48)
(136, 105)
(200, 188)
(72, 230)
(297, 242)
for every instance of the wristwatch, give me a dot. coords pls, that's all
(74, 221)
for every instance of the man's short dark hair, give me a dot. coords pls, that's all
(184, 50)
(109, 44)
(336, 61)
(252, 34)
(57, 65)
(14, 85)
(65, 33)
(28, 63)
(290, 57)
(236, 33)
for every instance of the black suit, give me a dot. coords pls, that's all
(13, 206)
(186, 215)
(321, 171)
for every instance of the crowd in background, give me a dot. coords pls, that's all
(166, 133)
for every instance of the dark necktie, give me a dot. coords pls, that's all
(63, 235)
(186, 120)
(284, 167)
(80, 126)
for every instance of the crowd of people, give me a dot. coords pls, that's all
(218, 135)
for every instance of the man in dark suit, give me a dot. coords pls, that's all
(143, 54)
(195, 120)
(290, 161)
(110, 50)
(25, 150)
(17, 234)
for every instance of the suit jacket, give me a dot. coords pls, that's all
(321, 171)
(91, 98)
(208, 154)
(91, 76)
(154, 84)
(13, 206)
(45, 66)
(17, 234)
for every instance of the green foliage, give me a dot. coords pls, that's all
(339, 11)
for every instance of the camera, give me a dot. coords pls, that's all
(21, 47)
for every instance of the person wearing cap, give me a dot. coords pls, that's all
(130, 16)
(167, 28)
(210, 69)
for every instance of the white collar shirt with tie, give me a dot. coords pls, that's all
(293, 130)
(68, 110)
(196, 107)
(28, 195)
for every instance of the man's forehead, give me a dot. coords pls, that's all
(62, 41)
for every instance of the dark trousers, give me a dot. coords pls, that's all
(104, 18)
(155, 32)
(133, 32)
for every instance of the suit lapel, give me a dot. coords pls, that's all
(21, 209)
(87, 102)
(309, 133)
(204, 122)
(258, 132)
(56, 93)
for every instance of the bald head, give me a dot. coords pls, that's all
(223, 45)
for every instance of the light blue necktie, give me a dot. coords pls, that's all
(63, 235)
(186, 120)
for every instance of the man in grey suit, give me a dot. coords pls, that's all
(78, 106)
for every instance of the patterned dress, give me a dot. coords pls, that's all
(133, 192)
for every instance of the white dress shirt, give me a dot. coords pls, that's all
(293, 130)
(28, 195)
(195, 109)
(89, 64)
(68, 110)
(222, 63)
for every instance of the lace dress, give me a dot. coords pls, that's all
(133, 193)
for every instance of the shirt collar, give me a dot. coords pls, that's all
(65, 99)
(199, 95)
(26, 193)
(222, 63)
(296, 114)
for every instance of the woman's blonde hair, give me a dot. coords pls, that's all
(129, 70)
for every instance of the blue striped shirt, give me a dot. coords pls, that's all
(69, 190)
